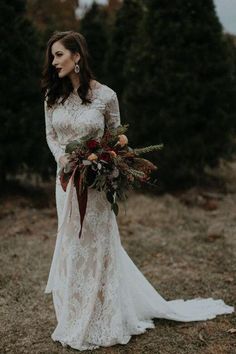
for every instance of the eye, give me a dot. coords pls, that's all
(57, 55)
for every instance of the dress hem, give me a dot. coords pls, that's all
(141, 329)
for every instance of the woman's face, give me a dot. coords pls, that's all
(63, 60)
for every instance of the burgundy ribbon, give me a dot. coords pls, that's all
(82, 198)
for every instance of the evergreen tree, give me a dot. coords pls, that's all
(123, 36)
(181, 89)
(20, 101)
(93, 27)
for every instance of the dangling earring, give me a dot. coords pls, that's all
(77, 68)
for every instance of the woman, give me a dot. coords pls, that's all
(100, 296)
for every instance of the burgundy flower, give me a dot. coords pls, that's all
(105, 156)
(92, 144)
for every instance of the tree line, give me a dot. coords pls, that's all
(171, 64)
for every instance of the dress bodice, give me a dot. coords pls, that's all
(72, 120)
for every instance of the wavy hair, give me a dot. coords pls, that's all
(54, 87)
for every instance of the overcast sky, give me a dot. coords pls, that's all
(226, 10)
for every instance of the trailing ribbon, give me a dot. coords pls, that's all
(82, 195)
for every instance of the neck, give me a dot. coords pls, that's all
(74, 78)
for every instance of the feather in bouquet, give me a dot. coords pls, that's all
(107, 164)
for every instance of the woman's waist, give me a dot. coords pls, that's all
(63, 142)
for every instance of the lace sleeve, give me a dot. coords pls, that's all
(112, 113)
(51, 135)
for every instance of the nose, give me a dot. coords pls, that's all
(54, 62)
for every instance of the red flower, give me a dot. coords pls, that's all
(108, 148)
(92, 144)
(105, 157)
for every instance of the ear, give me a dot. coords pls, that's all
(76, 57)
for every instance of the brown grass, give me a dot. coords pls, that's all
(184, 244)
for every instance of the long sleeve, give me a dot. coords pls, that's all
(112, 113)
(51, 135)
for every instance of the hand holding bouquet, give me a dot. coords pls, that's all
(107, 164)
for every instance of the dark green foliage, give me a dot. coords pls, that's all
(123, 37)
(93, 27)
(181, 88)
(20, 106)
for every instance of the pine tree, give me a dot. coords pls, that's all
(123, 36)
(93, 27)
(181, 89)
(20, 105)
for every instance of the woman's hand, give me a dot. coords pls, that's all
(63, 160)
(66, 163)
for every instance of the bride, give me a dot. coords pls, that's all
(100, 297)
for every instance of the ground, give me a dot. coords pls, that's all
(184, 243)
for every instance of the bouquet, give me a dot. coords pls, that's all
(107, 164)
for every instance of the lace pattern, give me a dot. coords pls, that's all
(72, 120)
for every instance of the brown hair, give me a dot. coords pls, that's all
(54, 87)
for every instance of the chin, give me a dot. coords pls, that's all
(61, 75)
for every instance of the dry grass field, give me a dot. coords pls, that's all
(184, 243)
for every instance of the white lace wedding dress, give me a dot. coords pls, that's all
(100, 297)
